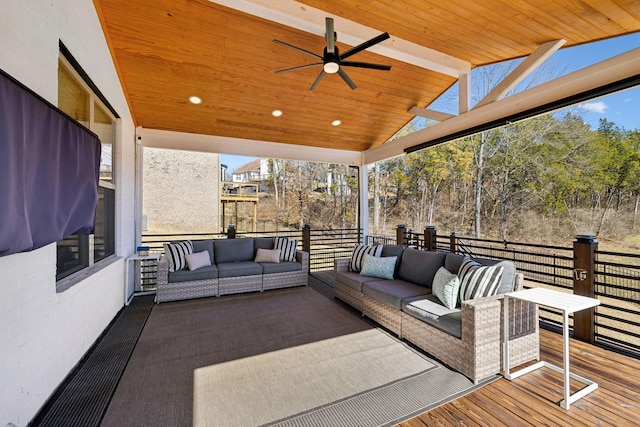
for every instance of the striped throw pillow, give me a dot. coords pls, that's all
(176, 254)
(478, 281)
(358, 255)
(287, 248)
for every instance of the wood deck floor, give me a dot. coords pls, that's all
(533, 399)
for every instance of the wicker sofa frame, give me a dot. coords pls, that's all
(478, 352)
(173, 291)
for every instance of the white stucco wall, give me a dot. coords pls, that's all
(44, 334)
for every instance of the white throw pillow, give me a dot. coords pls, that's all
(268, 255)
(176, 253)
(358, 255)
(198, 260)
(446, 286)
(478, 281)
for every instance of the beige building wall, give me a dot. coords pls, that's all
(181, 192)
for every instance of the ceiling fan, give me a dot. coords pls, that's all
(332, 60)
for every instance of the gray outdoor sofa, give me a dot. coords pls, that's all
(233, 270)
(468, 337)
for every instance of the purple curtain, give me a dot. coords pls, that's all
(49, 171)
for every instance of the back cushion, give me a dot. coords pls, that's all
(508, 273)
(393, 250)
(204, 245)
(263, 243)
(233, 250)
(420, 267)
(453, 262)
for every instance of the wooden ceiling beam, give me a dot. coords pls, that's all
(311, 20)
(243, 147)
(616, 69)
(438, 116)
(522, 71)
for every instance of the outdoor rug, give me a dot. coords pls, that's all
(287, 357)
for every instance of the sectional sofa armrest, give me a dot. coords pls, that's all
(341, 264)
(482, 318)
(303, 258)
(163, 271)
(481, 321)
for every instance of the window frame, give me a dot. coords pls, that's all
(85, 245)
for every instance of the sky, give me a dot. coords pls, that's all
(622, 108)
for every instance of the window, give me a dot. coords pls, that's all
(78, 97)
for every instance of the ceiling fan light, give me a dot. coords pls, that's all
(331, 67)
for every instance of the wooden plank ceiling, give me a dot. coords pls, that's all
(168, 50)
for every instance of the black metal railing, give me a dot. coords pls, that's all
(617, 286)
(327, 245)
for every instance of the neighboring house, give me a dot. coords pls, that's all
(257, 170)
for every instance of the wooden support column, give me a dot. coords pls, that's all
(430, 238)
(255, 217)
(453, 242)
(584, 275)
(306, 238)
(401, 234)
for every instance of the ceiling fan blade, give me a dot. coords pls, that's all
(330, 36)
(290, 46)
(365, 45)
(315, 83)
(365, 65)
(346, 79)
(299, 67)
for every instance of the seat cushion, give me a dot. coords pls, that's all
(233, 250)
(236, 269)
(204, 273)
(352, 279)
(392, 292)
(281, 267)
(428, 309)
(419, 267)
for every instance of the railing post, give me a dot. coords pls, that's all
(306, 238)
(401, 234)
(430, 238)
(231, 231)
(584, 274)
(453, 242)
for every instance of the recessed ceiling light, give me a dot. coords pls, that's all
(195, 100)
(276, 113)
(336, 123)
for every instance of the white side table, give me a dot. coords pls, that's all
(567, 303)
(133, 260)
